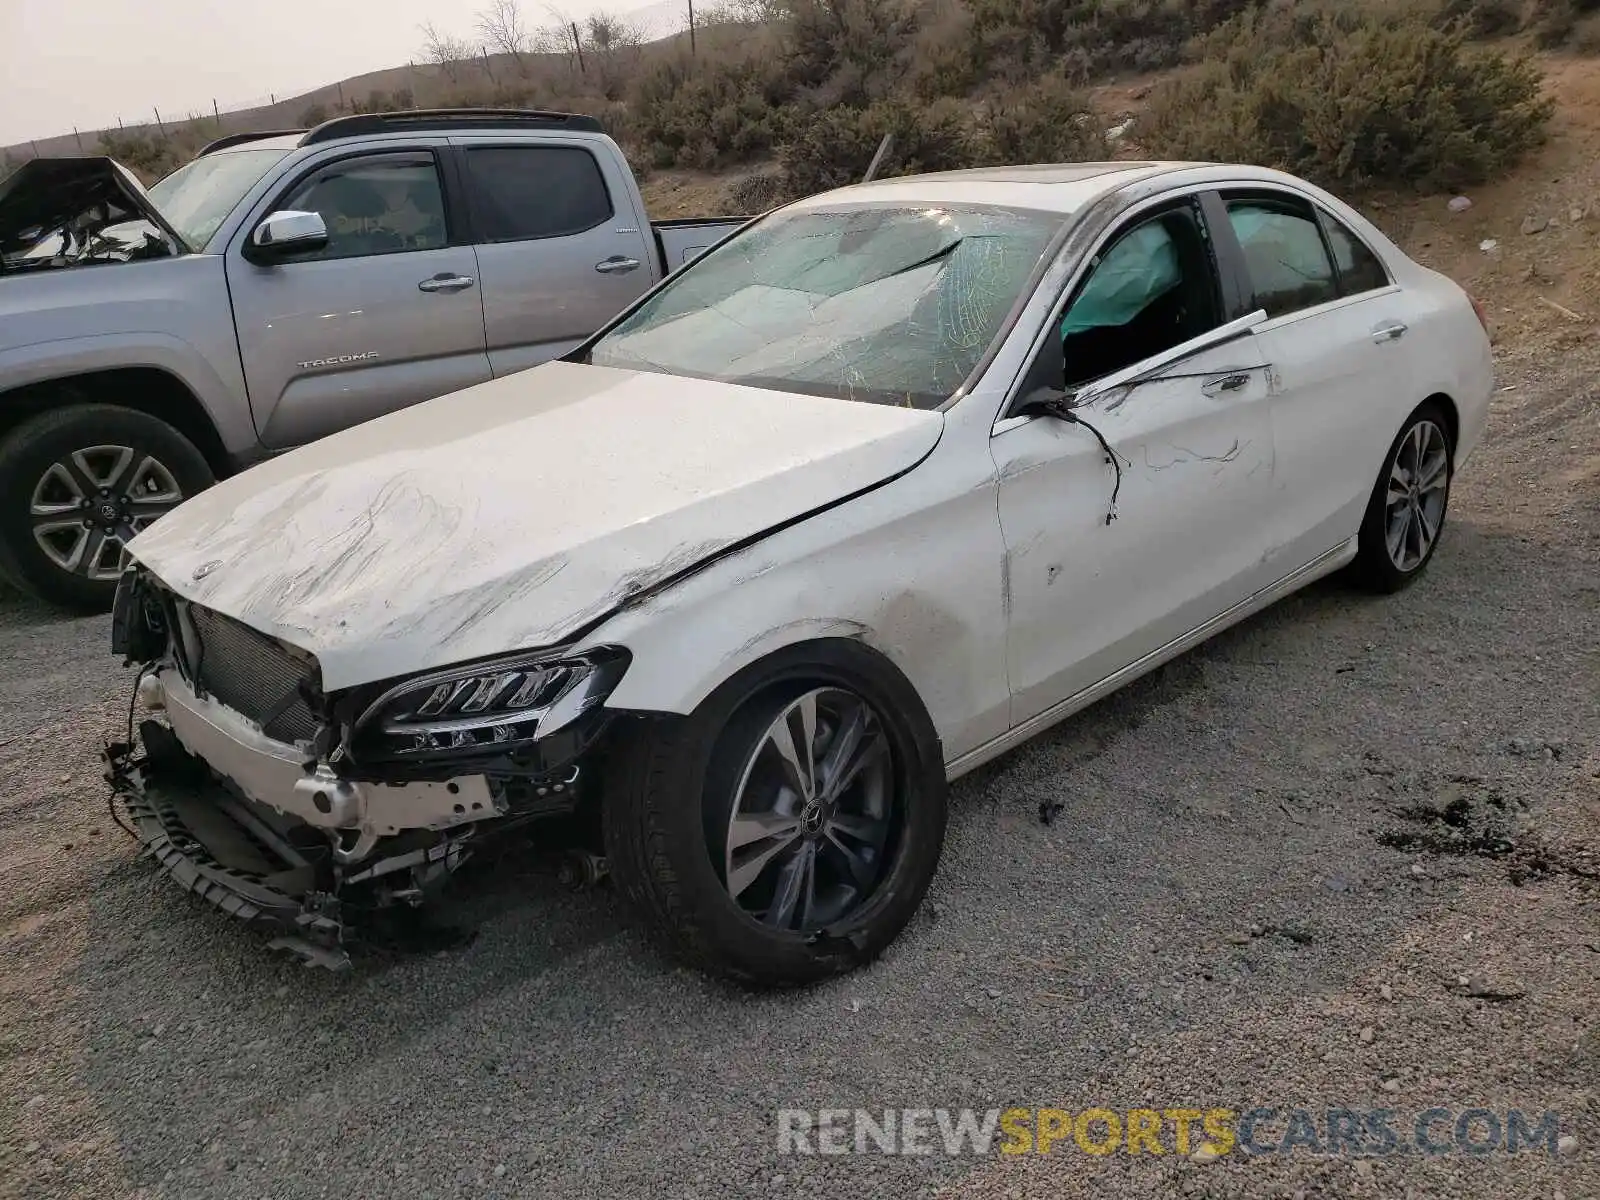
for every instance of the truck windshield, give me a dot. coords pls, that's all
(196, 198)
(893, 305)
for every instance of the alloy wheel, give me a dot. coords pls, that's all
(89, 504)
(1419, 480)
(814, 815)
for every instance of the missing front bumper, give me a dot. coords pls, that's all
(225, 850)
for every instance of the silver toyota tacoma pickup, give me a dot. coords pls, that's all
(281, 287)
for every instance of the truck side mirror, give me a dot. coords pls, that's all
(288, 232)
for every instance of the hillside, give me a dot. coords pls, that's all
(1542, 288)
(484, 77)
(764, 111)
(1541, 279)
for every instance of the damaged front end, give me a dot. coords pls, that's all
(298, 811)
(68, 212)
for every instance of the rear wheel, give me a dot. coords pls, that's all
(789, 828)
(1406, 512)
(78, 483)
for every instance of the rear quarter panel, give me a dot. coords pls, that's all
(1452, 355)
(1455, 357)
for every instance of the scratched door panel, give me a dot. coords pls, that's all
(1190, 537)
(1342, 393)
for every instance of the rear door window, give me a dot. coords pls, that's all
(1288, 262)
(1360, 270)
(521, 193)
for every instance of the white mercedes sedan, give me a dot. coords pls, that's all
(889, 481)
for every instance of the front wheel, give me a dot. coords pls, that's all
(1406, 512)
(76, 484)
(789, 828)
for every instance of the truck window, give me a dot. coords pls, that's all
(381, 204)
(525, 192)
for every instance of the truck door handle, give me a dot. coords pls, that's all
(617, 264)
(1391, 332)
(446, 282)
(1234, 381)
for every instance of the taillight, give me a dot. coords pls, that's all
(1483, 317)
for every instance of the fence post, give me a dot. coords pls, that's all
(577, 44)
(35, 146)
(159, 124)
(691, 28)
(77, 137)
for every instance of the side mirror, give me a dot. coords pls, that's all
(289, 232)
(1045, 385)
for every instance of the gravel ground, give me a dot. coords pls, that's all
(1251, 896)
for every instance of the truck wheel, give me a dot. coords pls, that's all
(75, 485)
(788, 829)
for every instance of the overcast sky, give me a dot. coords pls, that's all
(87, 62)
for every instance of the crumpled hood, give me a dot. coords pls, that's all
(508, 516)
(44, 194)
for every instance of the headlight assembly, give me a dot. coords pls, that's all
(491, 709)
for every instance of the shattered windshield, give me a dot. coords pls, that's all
(889, 305)
(196, 198)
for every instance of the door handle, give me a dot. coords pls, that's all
(446, 282)
(617, 265)
(1234, 381)
(1392, 332)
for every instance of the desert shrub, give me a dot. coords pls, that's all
(1557, 22)
(846, 51)
(377, 101)
(940, 60)
(1484, 18)
(1045, 121)
(313, 115)
(1091, 38)
(148, 155)
(1585, 38)
(1349, 98)
(832, 147)
(706, 114)
(757, 192)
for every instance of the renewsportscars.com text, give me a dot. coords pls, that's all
(1259, 1130)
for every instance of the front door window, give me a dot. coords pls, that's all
(376, 205)
(1153, 288)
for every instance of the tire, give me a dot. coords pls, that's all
(672, 800)
(1378, 565)
(54, 461)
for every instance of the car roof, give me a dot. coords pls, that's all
(1054, 187)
